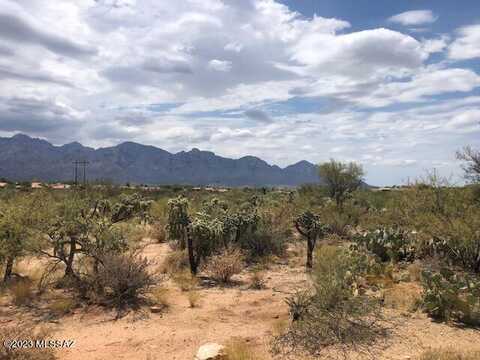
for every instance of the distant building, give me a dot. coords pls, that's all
(59, 186)
(37, 185)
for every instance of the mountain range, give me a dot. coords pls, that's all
(23, 158)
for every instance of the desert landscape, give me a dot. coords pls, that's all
(239, 180)
(340, 270)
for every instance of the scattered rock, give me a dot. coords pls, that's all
(156, 309)
(211, 351)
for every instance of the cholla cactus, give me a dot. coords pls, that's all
(131, 206)
(203, 237)
(178, 220)
(201, 234)
(309, 226)
(239, 225)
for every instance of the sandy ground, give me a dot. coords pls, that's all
(222, 314)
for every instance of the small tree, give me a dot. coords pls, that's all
(309, 226)
(341, 179)
(85, 226)
(19, 220)
(471, 167)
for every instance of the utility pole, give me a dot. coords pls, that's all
(84, 164)
(75, 172)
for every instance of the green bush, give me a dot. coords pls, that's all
(333, 313)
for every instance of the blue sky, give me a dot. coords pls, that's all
(393, 85)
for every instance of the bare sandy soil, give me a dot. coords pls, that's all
(223, 314)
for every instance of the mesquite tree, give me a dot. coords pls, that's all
(19, 220)
(86, 226)
(341, 179)
(309, 226)
(471, 165)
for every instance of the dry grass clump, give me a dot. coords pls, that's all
(449, 354)
(415, 271)
(403, 296)
(175, 262)
(193, 297)
(24, 331)
(157, 232)
(257, 280)
(135, 233)
(22, 292)
(223, 266)
(280, 327)
(185, 281)
(240, 349)
(62, 306)
(160, 296)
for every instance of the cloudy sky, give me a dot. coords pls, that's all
(394, 85)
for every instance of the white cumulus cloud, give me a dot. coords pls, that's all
(414, 17)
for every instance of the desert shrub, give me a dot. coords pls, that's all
(257, 279)
(193, 297)
(223, 266)
(133, 232)
(447, 219)
(160, 296)
(449, 354)
(22, 292)
(332, 313)
(62, 306)
(449, 296)
(280, 327)
(388, 244)
(415, 271)
(123, 279)
(176, 261)
(262, 244)
(20, 332)
(340, 221)
(185, 280)
(158, 232)
(402, 296)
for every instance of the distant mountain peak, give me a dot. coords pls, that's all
(137, 163)
(21, 136)
(74, 144)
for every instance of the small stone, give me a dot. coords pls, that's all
(211, 351)
(156, 309)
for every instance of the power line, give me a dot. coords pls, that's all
(84, 164)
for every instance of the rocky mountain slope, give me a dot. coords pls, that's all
(23, 158)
